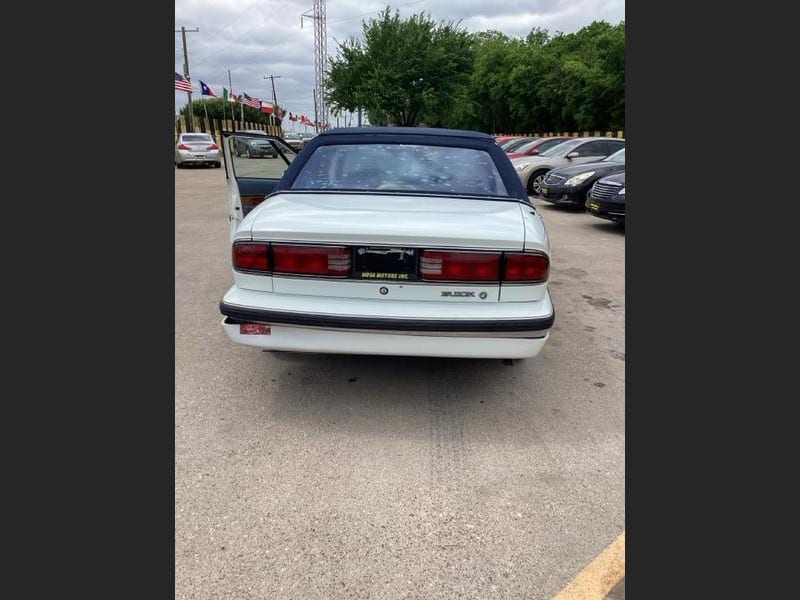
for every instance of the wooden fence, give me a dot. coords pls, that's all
(216, 126)
(614, 134)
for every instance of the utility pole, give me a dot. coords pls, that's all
(274, 96)
(190, 121)
(319, 17)
(359, 116)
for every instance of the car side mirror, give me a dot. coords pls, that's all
(534, 152)
(573, 155)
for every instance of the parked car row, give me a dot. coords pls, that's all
(201, 149)
(587, 172)
(297, 140)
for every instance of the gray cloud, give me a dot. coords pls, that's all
(254, 38)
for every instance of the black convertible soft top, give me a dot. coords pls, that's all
(455, 138)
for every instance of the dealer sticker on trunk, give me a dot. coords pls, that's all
(393, 264)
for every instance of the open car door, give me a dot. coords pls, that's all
(254, 164)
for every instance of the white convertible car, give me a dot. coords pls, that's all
(394, 241)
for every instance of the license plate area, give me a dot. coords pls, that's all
(388, 264)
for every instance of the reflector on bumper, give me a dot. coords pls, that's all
(254, 329)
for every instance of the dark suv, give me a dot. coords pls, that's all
(255, 148)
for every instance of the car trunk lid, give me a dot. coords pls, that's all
(387, 233)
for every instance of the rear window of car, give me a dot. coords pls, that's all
(401, 167)
(196, 138)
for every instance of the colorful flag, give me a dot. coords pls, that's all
(205, 90)
(229, 96)
(267, 107)
(292, 117)
(181, 83)
(251, 102)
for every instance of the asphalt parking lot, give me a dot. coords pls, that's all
(319, 476)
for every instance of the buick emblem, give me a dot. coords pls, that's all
(384, 290)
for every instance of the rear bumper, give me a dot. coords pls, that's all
(190, 158)
(363, 327)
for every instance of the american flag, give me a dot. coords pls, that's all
(251, 102)
(181, 83)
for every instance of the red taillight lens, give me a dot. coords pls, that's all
(459, 266)
(532, 268)
(183, 147)
(248, 256)
(312, 260)
(213, 147)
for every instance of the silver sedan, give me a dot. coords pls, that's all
(197, 149)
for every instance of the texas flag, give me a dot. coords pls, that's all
(205, 90)
(292, 117)
(267, 107)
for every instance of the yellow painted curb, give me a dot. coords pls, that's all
(598, 577)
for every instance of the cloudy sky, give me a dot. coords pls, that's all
(254, 38)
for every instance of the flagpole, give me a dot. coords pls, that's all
(224, 101)
(233, 110)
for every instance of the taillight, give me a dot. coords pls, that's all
(249, 256)
(530, 268)
(213, 147)
(183, 147)
(312, 260)
(436, 265)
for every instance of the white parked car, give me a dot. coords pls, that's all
(532, 169)
(393, 241)
(197, 149)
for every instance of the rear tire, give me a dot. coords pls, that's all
(535, 183)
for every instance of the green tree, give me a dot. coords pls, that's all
(403, 71)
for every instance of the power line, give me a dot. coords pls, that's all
(375, 12)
